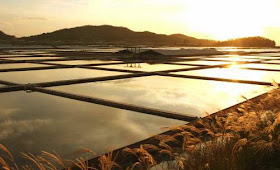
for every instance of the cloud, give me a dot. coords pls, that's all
(35, 18)
(4, 24)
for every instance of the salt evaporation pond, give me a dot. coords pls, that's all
(21, 65)
(235, 73)
(38, 76)
(32, 122)
(144, 67)
(186, 96)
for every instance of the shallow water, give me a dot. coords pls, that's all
(145, 67)
(53, 75)
(246, 57)
(205, 62)
(32, 122)
(247, 49)
(21, 65)
(186, 96)
(265, 66)
(235, 73)
(273, 61)
(80, 62)
(12, 55)
(269, 54)
(34, 58)
(233, 59)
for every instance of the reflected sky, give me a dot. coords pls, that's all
(245, 57)
(34, 58)
(77, 62)
(12, 55)
(39, 51)
(31, 122)
(186, 96)
(261, 57)
(204, 62)
(269, 54)
(53, 75)
(145, 67)
(233, 59)
(247, 49)
(265, 66)
(235, 73)
(273, 61)
(21, 65)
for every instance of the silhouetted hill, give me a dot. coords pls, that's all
(4, 37)
(106, 34)
(247, 42)
(114, 35)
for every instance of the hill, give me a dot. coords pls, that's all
(4, 37)
(247, 42)
(114, 35)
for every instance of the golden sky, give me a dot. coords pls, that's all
(215, 19)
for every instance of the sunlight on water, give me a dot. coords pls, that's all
(234, 65)
(54, 75)
(233, 59)
(186, 96)
(234, 72)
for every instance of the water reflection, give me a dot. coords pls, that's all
(233, 58)
(235, 73)
(21, 65)
(273, 61)
(145, 66)
(34, 58)
(53, 75)
(35, 122)
(12, 55)
(264, 66)
(187, 96)
(205, 62)
(79, 62)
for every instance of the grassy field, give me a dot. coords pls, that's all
(247, 139)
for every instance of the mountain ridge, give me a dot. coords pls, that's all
(107, 34)
(4, 36)
(112, 35)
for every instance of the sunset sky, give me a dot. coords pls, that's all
(215, 19)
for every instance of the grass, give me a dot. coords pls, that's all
(244, 139)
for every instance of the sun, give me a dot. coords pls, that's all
(222, 20)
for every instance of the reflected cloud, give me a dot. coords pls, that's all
(6, 112)
(12, 128)
(36, 122)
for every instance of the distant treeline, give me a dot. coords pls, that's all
(110, 35)
(247, 42)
